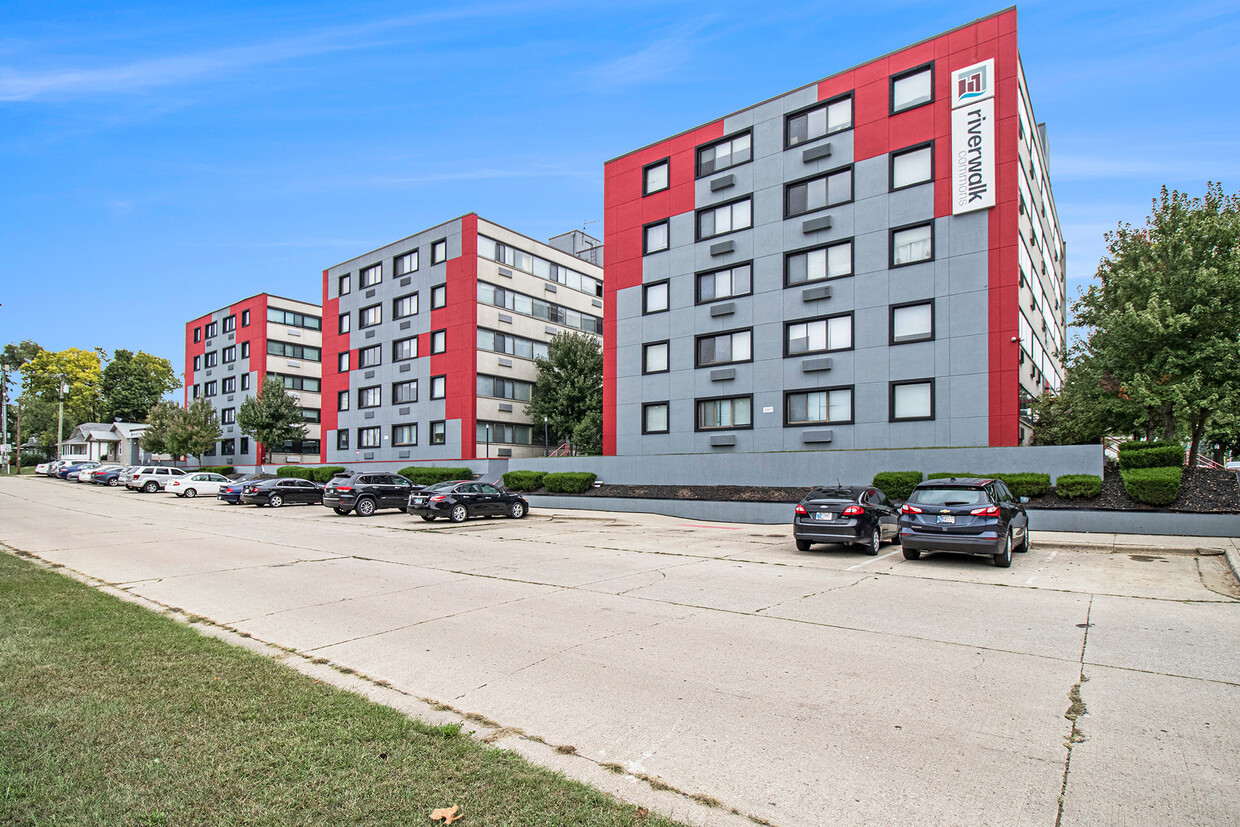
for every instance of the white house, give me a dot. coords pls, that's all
(106, 442)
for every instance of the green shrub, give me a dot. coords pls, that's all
(1078, 486)
(524, 480)
(1143, 446)
(568, 482)
(944, 475)
(1150, 455)
(1026, 484)
(1153, 486)
(897, 485)
(326, 472)
(296, 471)
(429, 475)
(219, 469)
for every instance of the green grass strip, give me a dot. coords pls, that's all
(111, 714)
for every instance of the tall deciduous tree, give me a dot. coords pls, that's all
(161, 420)
(272, 417)
(133, 382)
(195, 430)
(1162, 318)
(569, 390)
(81, 370)
(15, 358)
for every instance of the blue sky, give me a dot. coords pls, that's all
(161, 160)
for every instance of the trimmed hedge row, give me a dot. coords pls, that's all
(897, 485)
(524, 480)
(1150, 455)
(568, 482)
(429, 475)
(218, 469)
(1022, 485)
(1153, 486)
(301, 472)
(1078, 486)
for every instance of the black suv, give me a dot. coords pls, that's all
(967, 515)
(367, 491)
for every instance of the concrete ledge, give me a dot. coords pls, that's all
(1135, 522)
(709, 510)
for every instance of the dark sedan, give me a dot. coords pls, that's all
(462, 499)
(282, 491)
(111, 477)
(857, 514)
(966, 515)
(71, 471)
(231, 493)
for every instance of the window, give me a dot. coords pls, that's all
(342, 439)
(494, 296)
(439, 387)
(654, 418)
(403, 435)
(505, 432)
(655, 177)
(818, 193)
(729, 412)
(497, 342)
(245, 350)
(726, 218)
(912, 88)
(344, 285)
(296, 383)
(292, 319)
(819, 407)
(369, 276)
(371, 397)
(502, 388)
(404, 393)
(725, 284)
(194, 392)
(439, 433)
(291, 351)
(655, 237)
(818, 264)
(912, 400)
(724, 348)
(210, 359)
(228, 447)
(405, 264)
(405, 306)
(370, 316)
(197, 363)
(369, 357)
(344, 322)
(439, 341)
(208, 389)
(439, 296)
(818, 335)
(245, 445)
(654, 357)
(228, 384)
(403, 349)
(245, 382)
(228, 416)
(912, 166)
(197, 335)
(818, 121)
(439, 251)
(910, 245)
(342, 401)
(229, 354)
(655, 297)
(311, 415)
(245, 318)
(230, 324)
(342, 362)
(729, 152)
(368, 437)
(912, 322)
(211, 330)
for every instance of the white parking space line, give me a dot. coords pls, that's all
(872, 560)
(1049, 558)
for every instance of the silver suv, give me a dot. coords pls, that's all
(150, 478)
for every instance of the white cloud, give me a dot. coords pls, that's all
(657, 60)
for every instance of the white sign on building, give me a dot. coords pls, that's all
(973, 138)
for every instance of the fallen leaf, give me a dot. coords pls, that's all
(446, 814)
(642, 812)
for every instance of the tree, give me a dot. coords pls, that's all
(81, 370)
(194, 430)
(569, 389)
(133, 382)
(272, 417)
(161, 421)
(1161, 321)
(14, 359)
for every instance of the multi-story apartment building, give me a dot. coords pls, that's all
(869, 261)
(229, 352)
(429, 342)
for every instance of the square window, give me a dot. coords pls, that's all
(439, 387)
(818, 193)
(369, 357)
(818, 264)
(405, 306)
(439, 433)
(654, 418)
(405, 435)
(912, 88)
(439, 296)
(721, 155)
(439, 341)
(818, 121)
(910, 245)
(818, 335)
(655, 238)
(439, 251)
(914, 166)
(912, 322)
(404, 393)
(655, 177)
(371, 397)
(342, 439)
(654, 297)
(369, 276)
(819, 407)
(403, 349)
(727, 413)
(912, 400)
(725, 284)
(230, 324)
(654, 357)
(368, 437)
(342, 362)
(724, 348)
(345, 288)
(405, 264)
(725, 218)
(228, 384)
(370, 316)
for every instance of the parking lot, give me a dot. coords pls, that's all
(800, 688)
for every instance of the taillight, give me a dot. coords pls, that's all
(909, 509)
(438, 498)
(801, 509)
(988, 511)
(852, 511)
(344, 488)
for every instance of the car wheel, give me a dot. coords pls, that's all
(191, 493)
(430, 518)
(873, 544)
(911, 553)
(341, 511)
(112, 483)
(365, 507)
(1004, 558)
(802, 545)
(275, 501)
(1024, 541)
(459, 513)
(151, 487)
(517, 511)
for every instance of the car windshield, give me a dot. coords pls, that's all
(948, 496)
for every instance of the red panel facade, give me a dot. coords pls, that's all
(333, 380)
(459, 318)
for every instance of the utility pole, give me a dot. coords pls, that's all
(4, 416)
(60, 423)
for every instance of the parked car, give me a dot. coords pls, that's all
(199, 482)
(88, 474)
(462, 499)
(966, 515)
(150, 478)
(859, 514)
(42, 467)
(111, 477)
(52, 467)
(282, 491)
(231, 493)
(70, 472)
(366, 492)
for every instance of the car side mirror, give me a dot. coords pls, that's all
(1023, 499)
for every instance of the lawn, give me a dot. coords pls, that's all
(113, 714)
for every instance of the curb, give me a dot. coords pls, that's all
(1233, 562)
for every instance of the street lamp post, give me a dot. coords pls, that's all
(4, 415)
(546, 442)
(60, 422)
(488, 443)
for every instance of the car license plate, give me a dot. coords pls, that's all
(419, 500)
(824, 515)
(948, 520)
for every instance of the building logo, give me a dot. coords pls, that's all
(973, 83)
